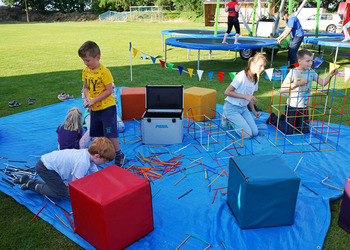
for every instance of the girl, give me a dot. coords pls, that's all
(70, 132)
(240, 93)
(232, 20)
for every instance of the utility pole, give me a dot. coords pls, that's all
(25, 2)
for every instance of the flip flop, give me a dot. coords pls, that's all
(16, 104)
(31, 101)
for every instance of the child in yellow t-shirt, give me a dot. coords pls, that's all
(98, 92)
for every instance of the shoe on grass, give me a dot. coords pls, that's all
(15, 104)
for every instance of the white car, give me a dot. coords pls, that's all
(328, 22)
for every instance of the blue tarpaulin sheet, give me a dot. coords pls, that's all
(203, 212)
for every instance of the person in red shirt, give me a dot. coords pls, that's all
(232, 8)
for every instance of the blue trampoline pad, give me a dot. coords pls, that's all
(216, 43)
(195, 33)
(327, 41)
(309, 33)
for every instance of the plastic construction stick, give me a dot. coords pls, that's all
(323, 182)
(309, 189)
(298, 164)
(207, 247)
(71, 221)
(197, 149)
(17, 161)
(179, 180)
(215, 178)
(182, 148)
(8, 182)
(185, 194)
(156, 193)
(58, 205)
(39, 212)
(199, 239)
(183, 242)
(223, 244)
(61, 220)
(214, 196)
(2, 157)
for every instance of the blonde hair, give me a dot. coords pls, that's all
(253, 60)
(102, 146)
(73, 120)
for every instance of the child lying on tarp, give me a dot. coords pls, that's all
(297, 85)
(67, 165)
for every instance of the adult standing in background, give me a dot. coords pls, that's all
(293, 27)
(232, 8)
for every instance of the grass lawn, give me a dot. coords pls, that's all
(40, 60)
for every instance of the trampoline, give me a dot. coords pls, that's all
(309, 33)
(198, 33)
(244, 43)
(334, 42)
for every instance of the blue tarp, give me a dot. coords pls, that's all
(27, 135)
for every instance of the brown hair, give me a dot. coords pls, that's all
(254, 59)
(301, 53)
(104, 147)
(89, 48)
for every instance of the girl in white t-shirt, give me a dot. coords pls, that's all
(240, 93)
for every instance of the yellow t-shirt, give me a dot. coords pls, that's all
(96, 82)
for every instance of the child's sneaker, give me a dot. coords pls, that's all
(24, 179)
(30, 185)
(119, 160)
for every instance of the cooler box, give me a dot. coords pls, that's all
(199, 102)
(262, 191)
(162, 122)
(344, 214)
(133, 103)
(112, 208)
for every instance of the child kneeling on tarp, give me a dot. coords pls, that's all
(67, 165)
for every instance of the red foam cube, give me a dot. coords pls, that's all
(112, 208)
(133, 103)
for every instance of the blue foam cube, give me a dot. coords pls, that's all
(262, 191)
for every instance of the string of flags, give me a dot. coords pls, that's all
(190, 71)
(269, 72)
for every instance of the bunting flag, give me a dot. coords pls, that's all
(200, 73)
(333, 66)
(144, 56)
(210, 73)
(190, 71)
(296, 65)
(135, 51)
(162, 63)
(269, 73)
(232, 75)
(317, 62)
(153, 59)
(180, 69)
(170, 65)
(346, 74)
(221, 76)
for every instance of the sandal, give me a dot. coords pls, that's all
(16, 104)
(64, 97)
(12, 103)
(31, 101)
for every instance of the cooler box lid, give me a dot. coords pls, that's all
(164, 97)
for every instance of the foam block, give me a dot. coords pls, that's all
(202, 101)
(262, 191)
(112, 208)
(133, 103)
(344, 214)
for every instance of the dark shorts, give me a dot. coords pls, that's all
(233, 21)
(104, 123)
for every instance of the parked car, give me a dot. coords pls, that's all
(328, 22)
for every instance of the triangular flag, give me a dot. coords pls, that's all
(170, 65)
(221, 76)
(333, 66)
(200, 73)
(296, 65)
(135, 51)
(317, 62)
(180, 69)
(269, 73)
(232, 75)
(190, 71)
(144, 56)
(162, 63)
(210, 73)
(153, 59)
(346, 74)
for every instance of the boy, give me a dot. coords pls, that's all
(296, 32)
(98, 92)
(346, 28)
(298, 84)
(67, 165)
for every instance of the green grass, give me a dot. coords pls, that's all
(40, 60)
